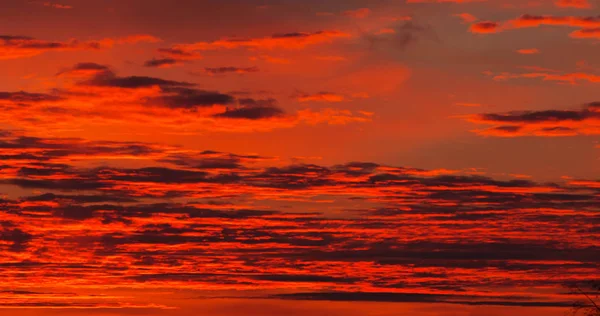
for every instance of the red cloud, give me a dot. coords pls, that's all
(321, 96)
(485, 27)
(528, 51)
(587, 33)
(286, 41)
(580, 4)
(466, 17)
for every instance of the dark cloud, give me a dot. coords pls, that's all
(224, 70)
(252, 109)
(86, 68)
(185, 98)
(108, 79)
(176, 53)
(46, 197)
(16, 236)
(161, 62)
(418, 298)
(540, 116)
(27, 97)
(294, 34)
(311, 278)
(380, 227)
(15, 38)
(541, 123)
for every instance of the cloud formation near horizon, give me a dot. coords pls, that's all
(228, 218)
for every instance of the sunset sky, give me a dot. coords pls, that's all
(287, 157)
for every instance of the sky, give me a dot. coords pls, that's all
(245, 157)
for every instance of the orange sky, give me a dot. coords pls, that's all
(271, 157)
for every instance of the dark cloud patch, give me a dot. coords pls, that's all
(62, 184)
(90, 66)
(85, 69)
(419, 298)
(541, 123)
(176, 52)
(539, 116)
(356, 168)
(205, 163)
(209, 159)
(51, 148)
(108, 79)
(23, 97)
(310, 278)
(376, 226)
(14, 235)
(252, 109)
(294, 34)
(47, 197)
(14, 46)
(25, 42)
(251, 113)
(102, 76)
(161, 62)
(185, 98)
(225, 70)
(507, 128)
(15, 38)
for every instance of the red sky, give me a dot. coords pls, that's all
(271, 157)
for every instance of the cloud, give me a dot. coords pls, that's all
(179, 53)
(109, 79)
(528, 20)
(321, 97)
(12, 47)
(161, 62)
(22, 46)
(421, 298)
(549, 123)
(184, 207)
(466, 17)
(333, 116)
(579, 4)
(225, 70)
(94, 94)
(137, 38)
(485, 27)
(170, 57)
(253, 110)
(57, 5)
(587, 25)
(85, 70)
(528, 51)
(22, 97)
(190, 98)
(587, 33)
(549, 75)
(15, 236)
(296, 40)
